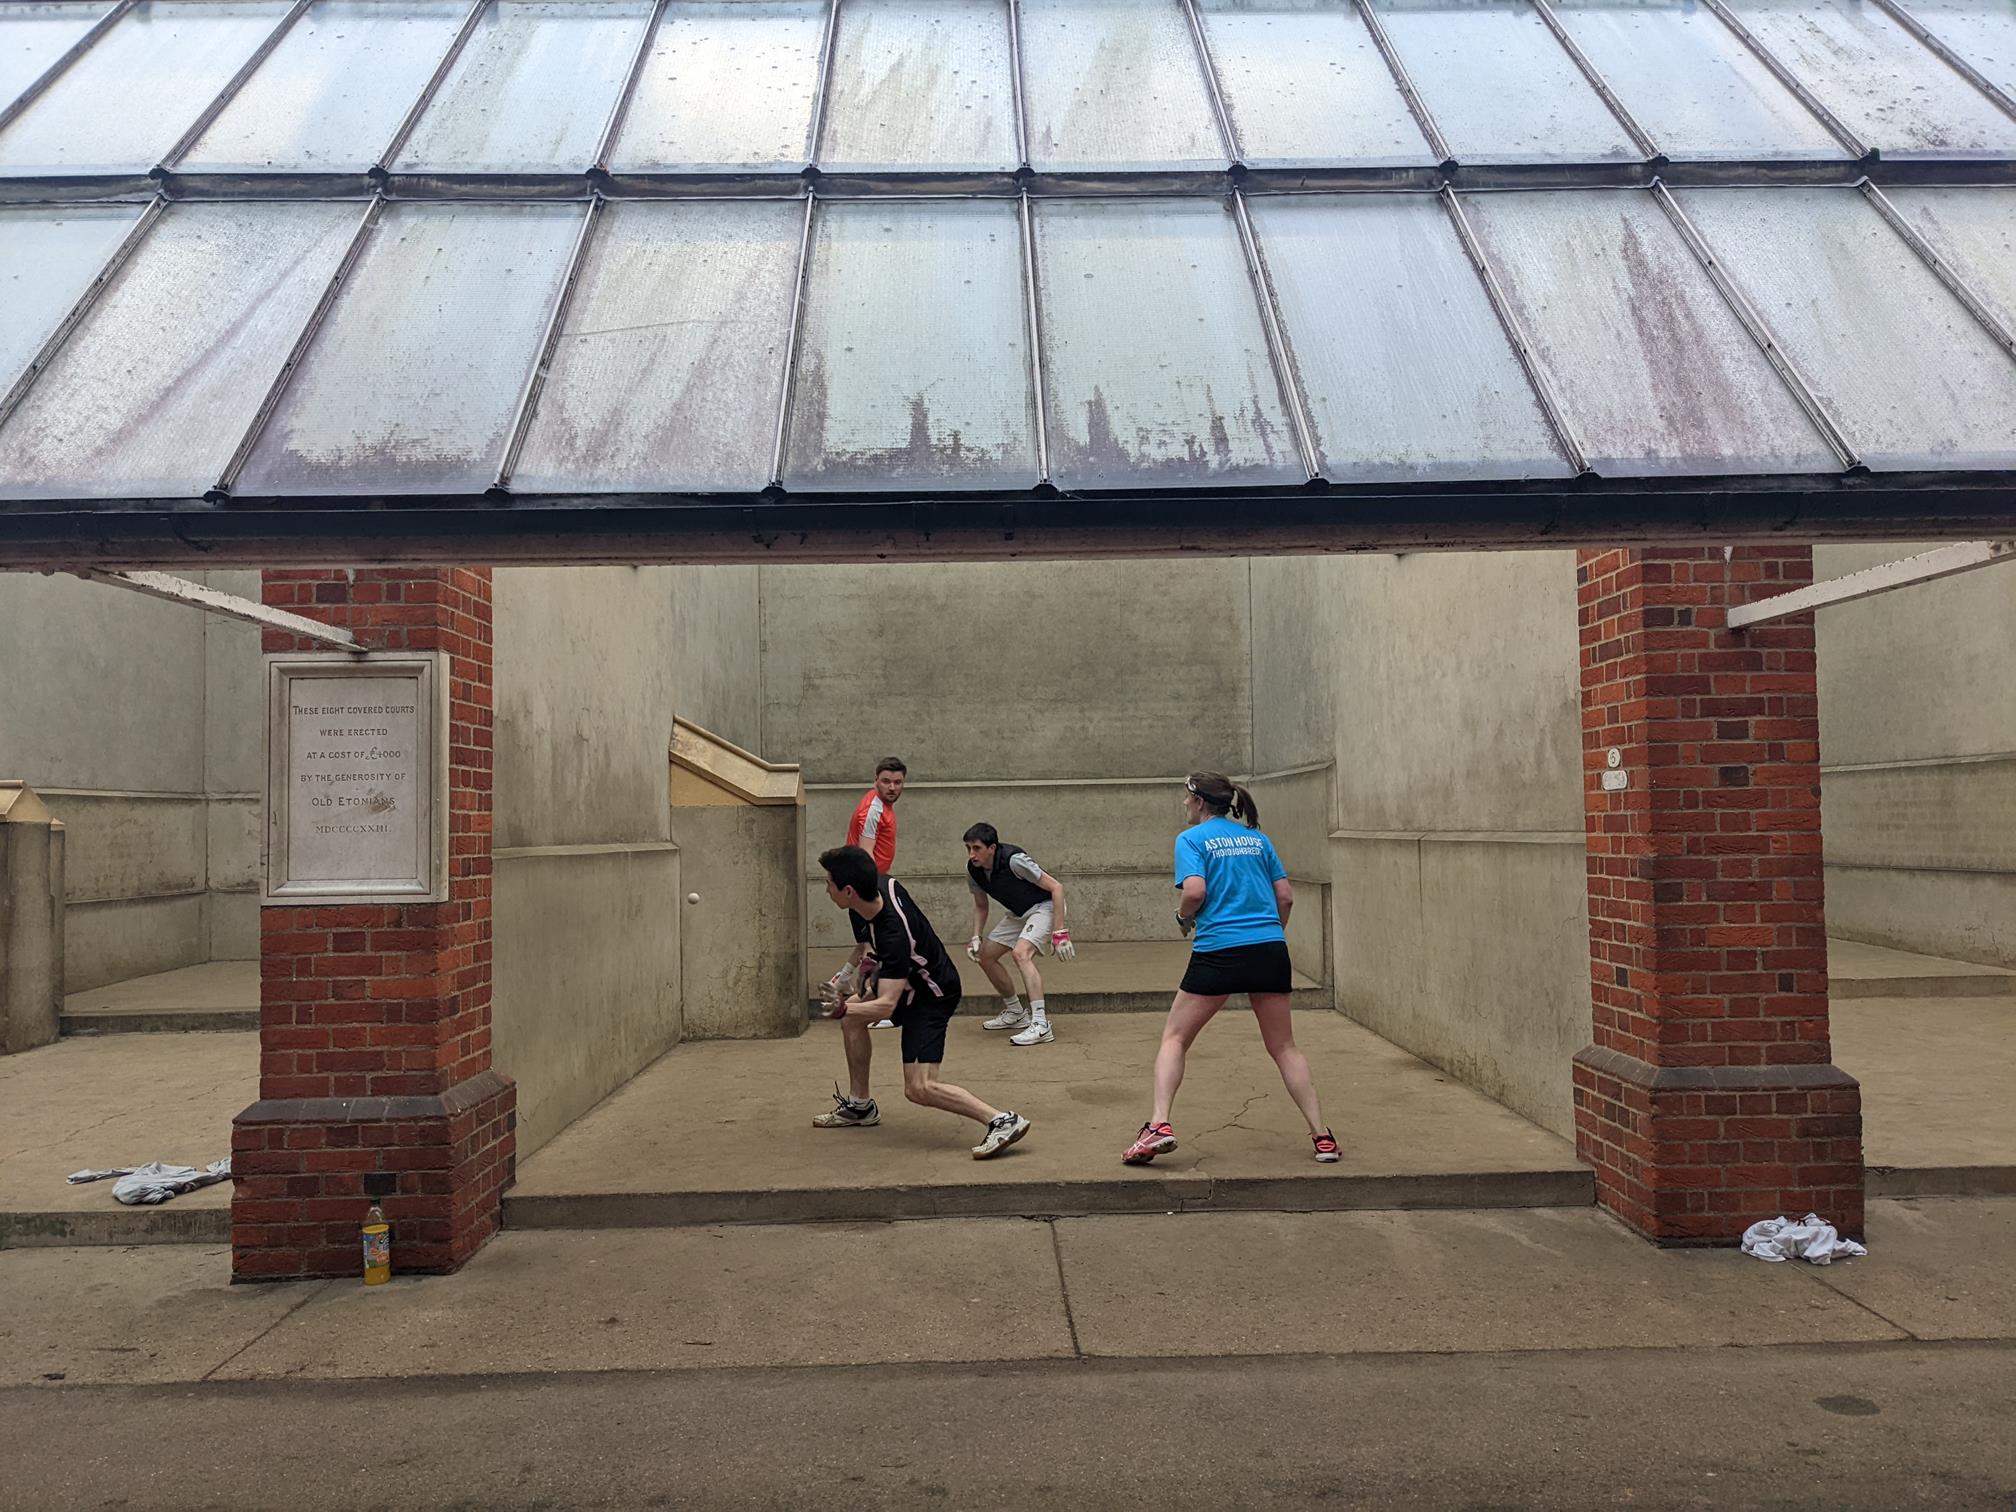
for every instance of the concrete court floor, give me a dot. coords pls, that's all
(1390, 1359)
(1935, 1071)
(724, 1129)
(118, 1100)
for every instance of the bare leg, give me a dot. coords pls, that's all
(921, 1086)
(854, 1035)
(991, 952)
(1187, 1017)
(1277, 1033)
(1025, 962)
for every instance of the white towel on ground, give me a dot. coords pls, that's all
(1778, 1239)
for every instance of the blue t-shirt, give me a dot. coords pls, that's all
(1239, 869)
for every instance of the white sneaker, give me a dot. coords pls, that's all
(1007, 1018)
(1001, 1133)
(883, 1024)
(1035, 1034)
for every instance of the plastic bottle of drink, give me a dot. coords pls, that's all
(377, 1248)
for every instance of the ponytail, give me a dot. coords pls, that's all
(1220, 794)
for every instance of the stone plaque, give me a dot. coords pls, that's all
(357, 760)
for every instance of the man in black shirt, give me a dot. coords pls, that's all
(916, 985)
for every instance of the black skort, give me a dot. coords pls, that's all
(922, 1020)
(1263, 967)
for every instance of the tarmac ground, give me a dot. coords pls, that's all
(1524, 1358)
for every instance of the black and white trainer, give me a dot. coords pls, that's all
(848, 1114)
(1005, 1129)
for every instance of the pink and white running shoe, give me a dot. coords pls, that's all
(1154, 1139)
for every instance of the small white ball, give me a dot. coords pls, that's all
(692, 897)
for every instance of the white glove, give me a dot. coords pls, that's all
(833, 998)
(973, 948)
(1060, 941)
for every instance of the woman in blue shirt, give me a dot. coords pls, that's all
(1236, 897)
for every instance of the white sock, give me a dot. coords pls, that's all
(1012, 1003)
(1036, 1008)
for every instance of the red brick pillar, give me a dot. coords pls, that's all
(1708, 1099)
(374, 1021)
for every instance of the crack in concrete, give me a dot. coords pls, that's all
(1233, 1122)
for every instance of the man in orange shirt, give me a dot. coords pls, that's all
(873, 826)
(873, 829)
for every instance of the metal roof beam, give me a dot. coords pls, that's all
(302, 342)
(1423, 117)
(1947, 274)
(619, 112)
(1908, 572)
(46, 353)
(1784, 75)
(1543, 391)
(815, 128)
(11, 111)
(779, 436)
(1228, 138)
(382, 169)
(1277, 341)
(638, 528)
(1018, 86)
(175, 590)
(229, 92)
(1640, 137)
(535, 381)
(1948, 56)
(1034, 312)
(1759, 330)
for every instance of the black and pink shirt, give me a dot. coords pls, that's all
(902, 942)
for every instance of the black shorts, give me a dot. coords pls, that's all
(923, 1020)
(1244, 968)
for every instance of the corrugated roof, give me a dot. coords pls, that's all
(759, 248)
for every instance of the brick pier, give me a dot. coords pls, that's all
(374, 1067)
(1708, 1098)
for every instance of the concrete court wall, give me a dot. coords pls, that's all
(137, 722)
(1445, 689)
(591, 666)
(1918, 760)
(1058, 701)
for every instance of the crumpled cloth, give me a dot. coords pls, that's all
(152, 1183)
(1780, 1239)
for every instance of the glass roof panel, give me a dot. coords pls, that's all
(150, 397)
(36, 34)
(1656, 374)
(1974, 233)
(913, 363)
(48, 257)
(670, 363)
(1407, 371)
(411, 384)
(1909, 375)
(1115, 84)
(1691, 82)
(532, 90)
(1304, 84)
(729, 84)
(330, 96)
(1155, 362)
(162, 63)
(1981, 31)
(921, 84)
(1500, 85)
(1886, 86)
